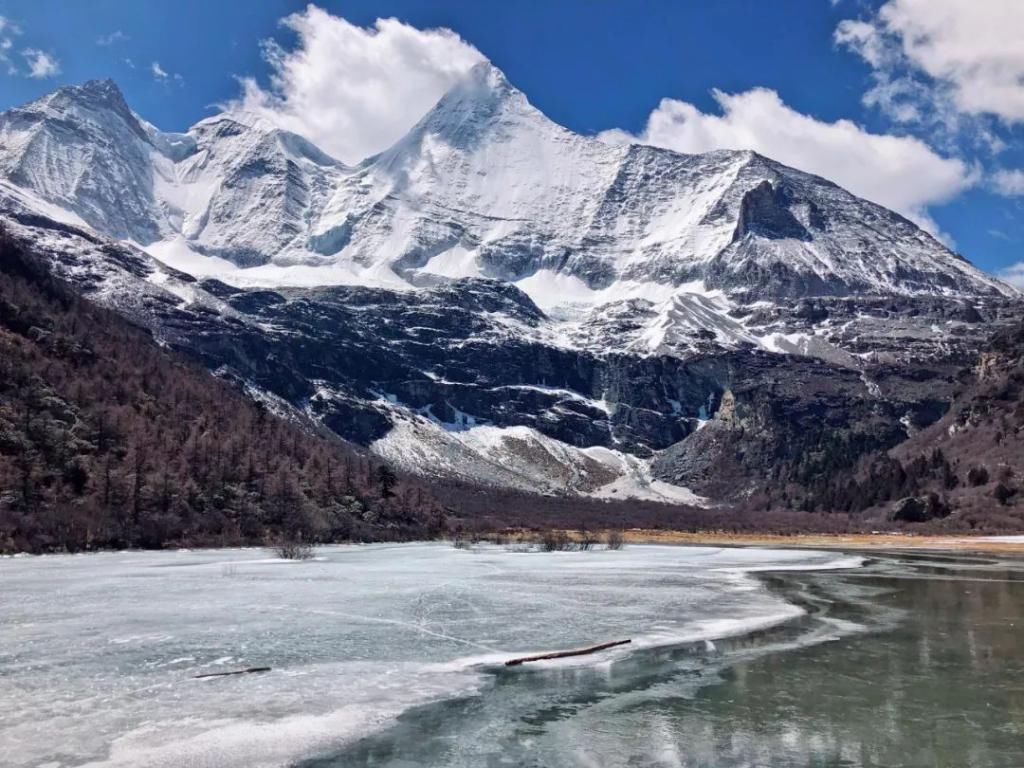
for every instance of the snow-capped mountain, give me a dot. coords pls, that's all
(82, 149)
(483, 186)
(237, 188)
(233, 187)
(486, 185)
(509, 297)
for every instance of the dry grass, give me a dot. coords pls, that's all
(863, 541)
(879, 541)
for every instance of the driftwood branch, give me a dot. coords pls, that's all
(564, 654)
(248, 671)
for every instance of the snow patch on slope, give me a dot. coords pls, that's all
(635, 481)
(521, 457)
(177, 253)
(36, 204)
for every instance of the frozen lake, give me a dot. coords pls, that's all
(98, 653)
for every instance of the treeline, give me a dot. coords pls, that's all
(894, 489)
(109, 440)
(484, 510)
(965, 472)
(884, 480)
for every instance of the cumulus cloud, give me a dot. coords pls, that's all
(158, 71)
(354, 91)
(951, 54)
(40, 63)
(1014, 275)
(1009, 183)
(899, 172)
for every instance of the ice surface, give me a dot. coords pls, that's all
(98, 652)
(1003, 539)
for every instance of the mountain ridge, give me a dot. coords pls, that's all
(492, 188)
(495, 291)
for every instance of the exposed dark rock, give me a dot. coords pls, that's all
(764, 211)
(919, 509)
(480, 352)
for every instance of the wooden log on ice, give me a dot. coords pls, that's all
(248, 671)
(564, 654)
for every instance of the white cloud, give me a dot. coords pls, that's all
(968, 54)
(40, 63)
(354, 91)
(1014, 275)
(159, 73)
(1009, 183)
(8, 31)
(130, 63)
(114, 37)
(899, 172)
(864, 38)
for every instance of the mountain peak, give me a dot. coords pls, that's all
(240, 117)
(105, 88)
(234, 122)
(481, 103)
(95, 96)
(481, 97)
(485, 75)
(485, 87)
(103, 94)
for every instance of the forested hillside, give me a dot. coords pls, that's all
(109, 440)
(966, 470)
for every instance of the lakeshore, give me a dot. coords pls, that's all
(883, 542)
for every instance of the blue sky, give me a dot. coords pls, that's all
(597, 66)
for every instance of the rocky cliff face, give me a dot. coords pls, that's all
(499, 293)
(962, 471)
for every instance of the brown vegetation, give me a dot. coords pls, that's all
(293, 549)
(109, 440)
(963, 473)
(887, 541)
